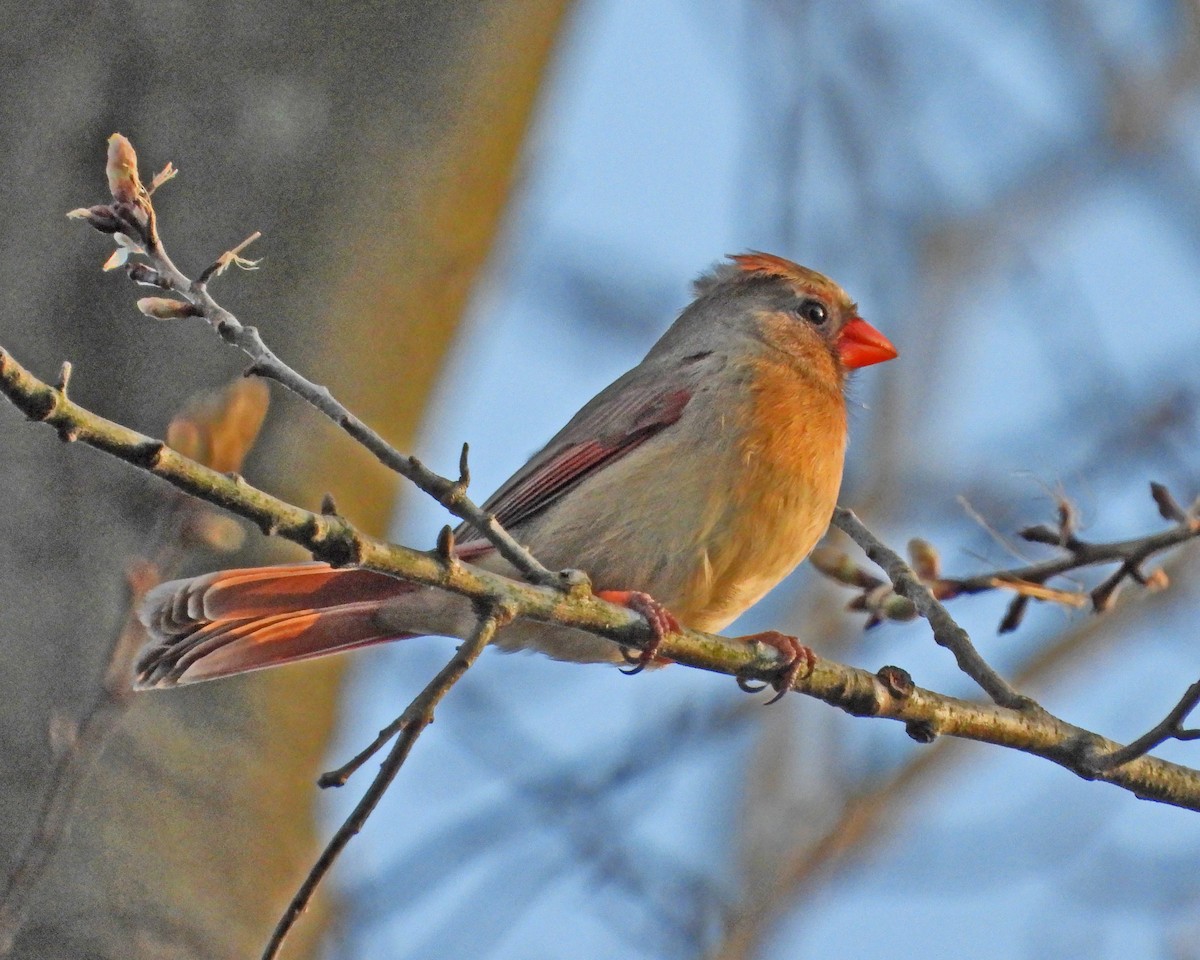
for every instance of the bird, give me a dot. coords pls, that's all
(685, 490)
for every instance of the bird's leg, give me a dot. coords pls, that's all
(661, 621)
(797, 658)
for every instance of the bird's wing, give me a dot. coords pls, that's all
(621, 418)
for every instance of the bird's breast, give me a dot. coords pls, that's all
(711, 513)
(780, 487)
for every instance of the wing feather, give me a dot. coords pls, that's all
(618, 420)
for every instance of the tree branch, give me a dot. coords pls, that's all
(889, 694)
(411, 725)
(1169, 728)
(1027, 581)
(131, 217)
(946, 632)
(565, 599)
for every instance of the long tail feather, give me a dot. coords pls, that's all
(239, 620)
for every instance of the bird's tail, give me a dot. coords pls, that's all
(233, 621)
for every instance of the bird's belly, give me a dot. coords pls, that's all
(706, 558)
(707, 541)
(757, 545)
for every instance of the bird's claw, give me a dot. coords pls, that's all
(749, 685)
(635, 662)
(799, 661)
(661, 620)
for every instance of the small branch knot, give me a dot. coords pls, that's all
(148, 455)
(575, 583)
(897, 681)
(921, 730)
(334, 541)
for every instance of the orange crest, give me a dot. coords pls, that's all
(757, 262)
(767, 264)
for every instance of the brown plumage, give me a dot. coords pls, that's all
(700, 477)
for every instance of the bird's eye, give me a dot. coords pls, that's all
(813, 311)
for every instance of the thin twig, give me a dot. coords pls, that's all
(339, 777)
(449, 493)
(1169, 728)
(1029, 579)
(946, 631)
(414, 721)
(132, 215)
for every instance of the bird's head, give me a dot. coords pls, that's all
(793, 309)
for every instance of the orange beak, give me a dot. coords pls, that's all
(861, 345)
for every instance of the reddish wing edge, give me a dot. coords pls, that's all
(233, 621)
(617, 428)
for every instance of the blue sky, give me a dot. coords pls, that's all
(856, 140)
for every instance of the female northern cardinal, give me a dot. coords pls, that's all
(703, 476)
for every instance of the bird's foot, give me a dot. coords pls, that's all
(799, 660)
(661, 620)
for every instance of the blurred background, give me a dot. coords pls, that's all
(477, 215)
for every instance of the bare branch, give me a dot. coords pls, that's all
(946, 632)
(411, 724)
(1030, 579)
(1170, 728)
(131, 215)
(925, 713)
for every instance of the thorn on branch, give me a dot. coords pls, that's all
(147, 455)
(1014, 614)
(329, 506)
(1041, 533)
(464, 468)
